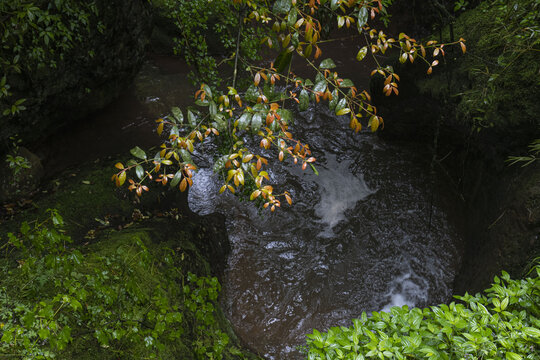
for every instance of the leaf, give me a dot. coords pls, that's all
(293, 15)
(244, 120)
(513, 356)
(320, 86)
(256, 122)
(176, 179)
(192, 119)
(282, 61)
(327, 64)
(343, 111)
(334, 4)
(282, 6)
(139, 171)
(346, 83)
(341, 105)
(138, 153)
(160, 128)
(362, 53)
(304, 100)
(121, 179)
(177, 113)
(363, 16)
(119, 165)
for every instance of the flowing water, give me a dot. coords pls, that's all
(366, 234)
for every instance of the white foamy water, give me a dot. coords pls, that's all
(340, 190)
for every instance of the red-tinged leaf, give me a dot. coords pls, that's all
(423, 50)
(304, 165)
(183, 185)
(435, 62)
(257, 79)
(121, 179)
(255, 194)
(463, 47)
(259, 164)
(435, 52)
(119, 166)
(374, 123)
(273, 208)
(231, 189)
(139, 191)
(310, 160)
(288, 198)
(280, 157)
(430, 70)
(396, 91)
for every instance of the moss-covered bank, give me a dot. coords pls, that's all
(135, 282)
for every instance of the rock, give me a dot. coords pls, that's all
(20, 181)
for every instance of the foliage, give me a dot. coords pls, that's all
(206, 27)
(16, 162)
(292, 28)
(37, 35)
(499, 79)
(503, 323)
(123, 301)
(534, 153)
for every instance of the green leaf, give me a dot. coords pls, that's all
(327, 64)
(192, 119)
(362, 53)
(363, 16)
(304, 100)
(346, 83)
(177, 113)
(282, 6)
(513, 356)
(341, 105)
(256, 122)
(283, 61)
(244, 120)
(139, 171)
(334, 4)
(292, 17)
(320, 86)
(532, 332)
(138, 153)
(213, 108)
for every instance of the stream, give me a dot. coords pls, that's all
(365, 234)
(369, 232)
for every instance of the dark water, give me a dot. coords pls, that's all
(368, 233)
(357, 238)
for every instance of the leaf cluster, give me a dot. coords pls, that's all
(502, 323)
(124, 302)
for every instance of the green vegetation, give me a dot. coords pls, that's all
(119, 298)
(502, 323)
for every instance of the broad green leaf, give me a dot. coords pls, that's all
(304, 100)
(244, 120)
(334, 4)
(177, 113)
(138, 153)
(176, 179)
(346, 83)
(363, 16)
(362, 53)
(327, 64)
(256, 122)
(341, 105)
(192, 119)
(282, 6)
(513, 356)
(292, 17)
(139, 171)
(320, 86)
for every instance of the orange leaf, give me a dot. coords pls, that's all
(183, 185)
(119, 166)
(257, 79)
